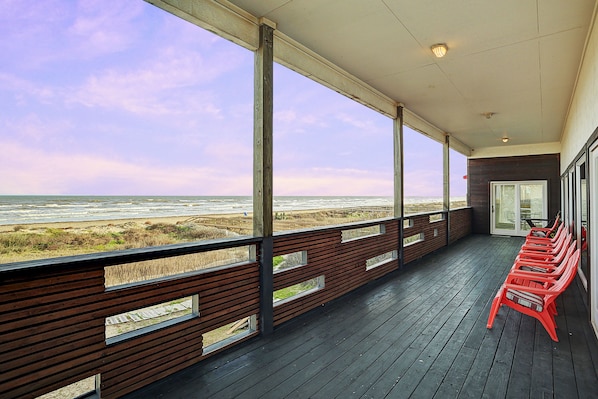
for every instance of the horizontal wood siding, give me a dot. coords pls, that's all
(53, 325)
(343, 264)
(430, 243)
(532, 167)
(225, 295)
(460, 224)
(51, 332)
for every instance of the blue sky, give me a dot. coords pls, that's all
(130, 100)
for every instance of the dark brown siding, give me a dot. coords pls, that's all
(434, 236)
(533, 167)
(342, 263)
(460, 224)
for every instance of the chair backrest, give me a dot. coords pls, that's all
(554, 226)
(568, 275)
(559, 237)
(560, 231)
(565, 256)
(562, 246)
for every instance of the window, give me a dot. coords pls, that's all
(333, 162)
(79, 389)
(137, 139)
(412, 239)
(168, 267)
(423, 173)
(436, 217)
(457, 179)
(381, 260)
(228, 334)
(362, 232)
(298, 290)
(140, 321)
(289, 261)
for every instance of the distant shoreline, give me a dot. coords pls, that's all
(21, 242)
(108, 224)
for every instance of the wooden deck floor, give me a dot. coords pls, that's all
(417, 333)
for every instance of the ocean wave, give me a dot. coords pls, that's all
(44, 209)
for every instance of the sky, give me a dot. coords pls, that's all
(130, 100)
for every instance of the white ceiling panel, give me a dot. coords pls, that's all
(516, 58)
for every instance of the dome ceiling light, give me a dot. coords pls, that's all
(439, 49)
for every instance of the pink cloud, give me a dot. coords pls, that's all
(30, 171)
(330, 181)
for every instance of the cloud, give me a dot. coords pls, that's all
(157, 88)
(30, 171)
(47, 33)
(423, 182)
(100, 30)
(332, 181)
(351, 120)
(285, 116)
(24, 89)
(34, 129)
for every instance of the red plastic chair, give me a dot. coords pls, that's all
(549, 247)
(548, 255)
(555, 268)
(535, 296)
(532, 240)
(546, 231)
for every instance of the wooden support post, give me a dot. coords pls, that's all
(398, 177)
(446, 192)
(262, 170)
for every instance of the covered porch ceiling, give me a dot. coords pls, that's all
(517, 60)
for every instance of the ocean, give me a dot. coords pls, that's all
(17, 210)
(29, 209)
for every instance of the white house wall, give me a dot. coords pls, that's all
(582, 119)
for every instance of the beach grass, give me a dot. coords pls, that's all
(39, 241)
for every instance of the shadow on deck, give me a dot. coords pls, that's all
(417, 333)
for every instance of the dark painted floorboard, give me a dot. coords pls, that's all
(416, 333)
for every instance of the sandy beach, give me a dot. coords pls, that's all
(240, 223)
(45, 240)
(98, 225)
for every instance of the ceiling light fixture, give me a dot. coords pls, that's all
(439, 49)
(505, 139)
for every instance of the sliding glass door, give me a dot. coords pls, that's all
(513, 203)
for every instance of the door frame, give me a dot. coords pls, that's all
(592, 180)
(517, 212)
(577, 217)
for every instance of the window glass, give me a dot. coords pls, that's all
(122, 126)
(333, 157)
(458, 179)
(423, 173)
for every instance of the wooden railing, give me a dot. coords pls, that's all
(53, 312)
(341, 263)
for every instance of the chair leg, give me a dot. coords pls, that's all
(496, 302)
(549, 325)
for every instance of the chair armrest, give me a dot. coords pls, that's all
(531, 275)
(539, 257)
(533, 290)
(535, 279)
(534, 263)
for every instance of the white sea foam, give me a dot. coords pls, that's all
(43, 209)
